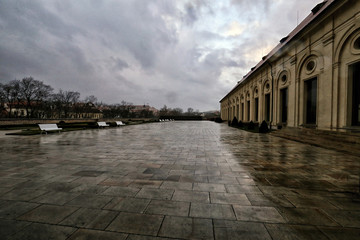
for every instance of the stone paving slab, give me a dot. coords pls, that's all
(229, 198)
(240, 230)
(175, 180)
(187, 228)
(38, 231)
(51, 214)
(136, 205)
(214, 211)
(288, 232)
(191, 196)
(168, 208)
(146, 224)
(90, 201)
(14, 209)
(150, 193)
(86, 234)
(90, 218)
(10, 227)
(258, 214)
(341, 233)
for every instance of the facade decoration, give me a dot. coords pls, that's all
(311, 78)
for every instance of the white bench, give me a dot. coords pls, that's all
(119, 123)
(102, 124)
(49, 127)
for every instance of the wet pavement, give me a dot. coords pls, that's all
(177, 180)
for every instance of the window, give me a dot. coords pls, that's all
(283, 104)
(357, 44)
(310, 100)
(248, 110)
(256, 109)
(267, 107)
(242, 111)
(310, 65)
(267, 86)
(356, 94)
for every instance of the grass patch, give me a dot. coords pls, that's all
(26, 132)
(19, 127)
(33, 129)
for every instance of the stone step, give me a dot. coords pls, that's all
(347, 142)
(351, 137)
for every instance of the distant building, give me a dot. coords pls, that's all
(18, 109)
(140, 110)
(311, 78)
(50, 111)
(210, 114)
(86, 110)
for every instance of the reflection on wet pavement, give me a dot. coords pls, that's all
(180, 180)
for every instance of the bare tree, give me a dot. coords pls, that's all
(125, 109)
(91, 99)
(65, 101)
(176, 112)
(2, 99)
(164, 111)
(33, 92)
(42, 99)
(11, 94)
(190, 111)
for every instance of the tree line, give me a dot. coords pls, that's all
(166, 111)
(39, 101)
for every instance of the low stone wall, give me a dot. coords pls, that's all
(7, 122)
(17, 121)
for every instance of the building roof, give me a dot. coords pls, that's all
(315, 12)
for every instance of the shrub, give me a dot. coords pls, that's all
(251, 125)
(234, 122)
(263, 127)
(218, 120)
(240, 124)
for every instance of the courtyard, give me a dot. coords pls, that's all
(175, 180)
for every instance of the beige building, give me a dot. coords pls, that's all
(311, 78)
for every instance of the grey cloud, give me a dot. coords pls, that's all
(126, 84)
(119, 64)
(247, 5)
(138, 51)
(36, 40)
(55, 54)
(191, 15)
(13, 63)
(172, 97)
(195, 9)
(207, 35)
(31, 19)
(75, 56)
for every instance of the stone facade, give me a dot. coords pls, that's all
(312, 78)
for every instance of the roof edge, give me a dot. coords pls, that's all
(315, 12)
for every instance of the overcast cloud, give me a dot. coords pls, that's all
(179, 53)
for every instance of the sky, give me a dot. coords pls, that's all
(184, 53)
